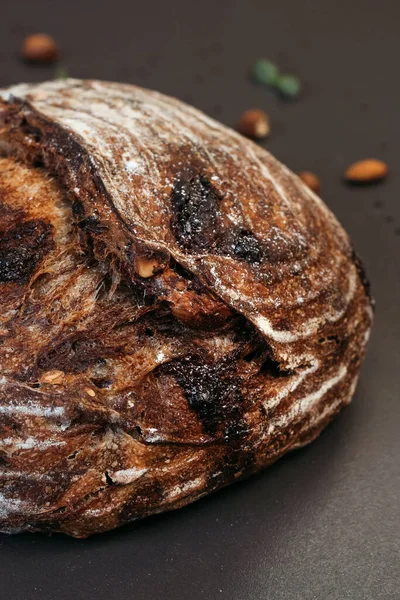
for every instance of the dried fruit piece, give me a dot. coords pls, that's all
(311, 180)
(40, 48)
(146, 267)
(52, 377)
(254, 123)
(365, 171)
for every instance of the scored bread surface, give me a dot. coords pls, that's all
(177, 309)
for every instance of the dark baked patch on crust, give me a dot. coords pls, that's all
(74, 354)
(23, 244)
(196, 220)
(241, 244)
(213, 393)
(198, 227)
(197, 224)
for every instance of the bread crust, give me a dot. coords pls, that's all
(178, 310)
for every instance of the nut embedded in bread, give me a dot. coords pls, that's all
(177, 308)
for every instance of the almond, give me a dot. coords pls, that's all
(367, 170)
(311, 181)
(52, 377)
(40, 48)
(254, 123)
(146, 267)
(90, 392)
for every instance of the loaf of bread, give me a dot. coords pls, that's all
(177, 309)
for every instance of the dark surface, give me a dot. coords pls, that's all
(322, 523)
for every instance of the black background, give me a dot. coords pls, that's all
(322, 523)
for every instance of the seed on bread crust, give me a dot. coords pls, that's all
(52, 377)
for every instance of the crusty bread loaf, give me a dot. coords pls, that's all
(177, 309)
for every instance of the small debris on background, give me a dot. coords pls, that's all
(40, 48)
(254, 123)
(366, 171)
(61, 73)
(265, 72)
(311, 181)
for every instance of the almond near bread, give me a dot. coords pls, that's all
(178, 310)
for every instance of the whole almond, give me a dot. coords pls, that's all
(40, 48)
(365, 171)
(254, 123)
(311, 181)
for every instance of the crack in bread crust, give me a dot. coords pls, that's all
(177, 309)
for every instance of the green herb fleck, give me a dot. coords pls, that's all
(265, 72)
(288, 85)
(61, 73)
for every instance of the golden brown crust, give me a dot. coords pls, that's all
(178, 309)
